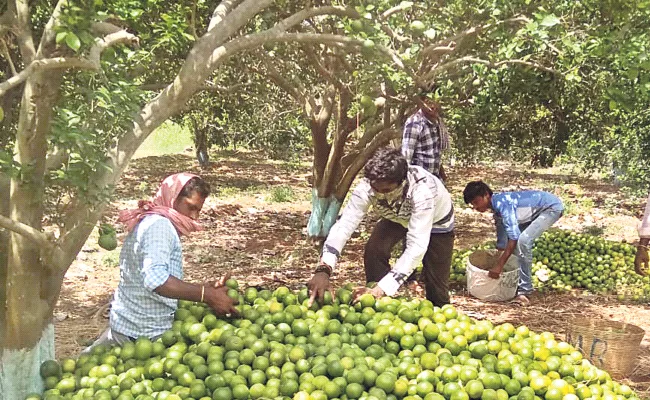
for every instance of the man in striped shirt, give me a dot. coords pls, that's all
(642, 260)
(412, 203)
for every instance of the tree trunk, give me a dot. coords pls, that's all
(19, 368)
(324, 211)
(4, 251)
(32, 282)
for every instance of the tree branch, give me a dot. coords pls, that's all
(5, 52)
(27, 231)
(471, 31)
(41, 65)
(6, 21)
(320, 68)
(394, 10)
(49, 35)
(220, 12)
(474, 60)
(360, 160)
(294, 88)
(93, 61)
(113, 39)
(208, 87)
(192, 23)
(23, 29)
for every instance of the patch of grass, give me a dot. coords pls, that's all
(111, 259)
(594, 230)
(282, 194)
(234, 191)
(273, 262)
(169, 138)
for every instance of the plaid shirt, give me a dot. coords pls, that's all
(151, 253)
(421, 144)
(425, 208)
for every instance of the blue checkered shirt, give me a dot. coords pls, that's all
(421, 144)
(151, 253)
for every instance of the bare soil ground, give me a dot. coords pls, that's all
(261, 242)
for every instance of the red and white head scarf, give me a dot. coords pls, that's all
(163, 204)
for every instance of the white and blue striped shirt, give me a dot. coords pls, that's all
(150, 255)
(425, 208)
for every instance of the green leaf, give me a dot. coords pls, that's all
(2, 114)
(550, 20)
(60, 37)
(72, 41)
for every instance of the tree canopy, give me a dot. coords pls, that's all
(84, 82)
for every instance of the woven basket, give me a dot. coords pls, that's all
(609, 345)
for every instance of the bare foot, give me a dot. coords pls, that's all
(521, 300)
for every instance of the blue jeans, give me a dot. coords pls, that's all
(524, 249)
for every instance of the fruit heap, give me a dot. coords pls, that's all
(380, 349)
(564, 260)
(459, 262)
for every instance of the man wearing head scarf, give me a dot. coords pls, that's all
(642, 260)
(151, 269)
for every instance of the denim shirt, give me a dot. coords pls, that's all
(514, 209)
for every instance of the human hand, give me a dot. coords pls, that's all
(641, 260)
(220, 282)
(376, 292)
(217, 298)
(317, 286)
(495, 272)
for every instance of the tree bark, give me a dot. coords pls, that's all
(4, 250)
(29, 282)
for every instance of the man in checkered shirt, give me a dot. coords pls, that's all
(151, 264)
(425, 137)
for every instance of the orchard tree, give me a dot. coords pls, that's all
(356, 101)
(68, 144)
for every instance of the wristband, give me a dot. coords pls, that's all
(202, 292)
(324, 268)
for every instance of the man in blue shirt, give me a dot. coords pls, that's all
(520, 218)
(151, 263)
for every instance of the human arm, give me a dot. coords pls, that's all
(376, 292)
(161, 268)
(338, 236)
(442, 174)
(214, 296)
(410, 136)
(418, 236)
(502, 237)
(496, 271)
(642, 260)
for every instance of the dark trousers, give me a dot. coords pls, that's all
(436, 264)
